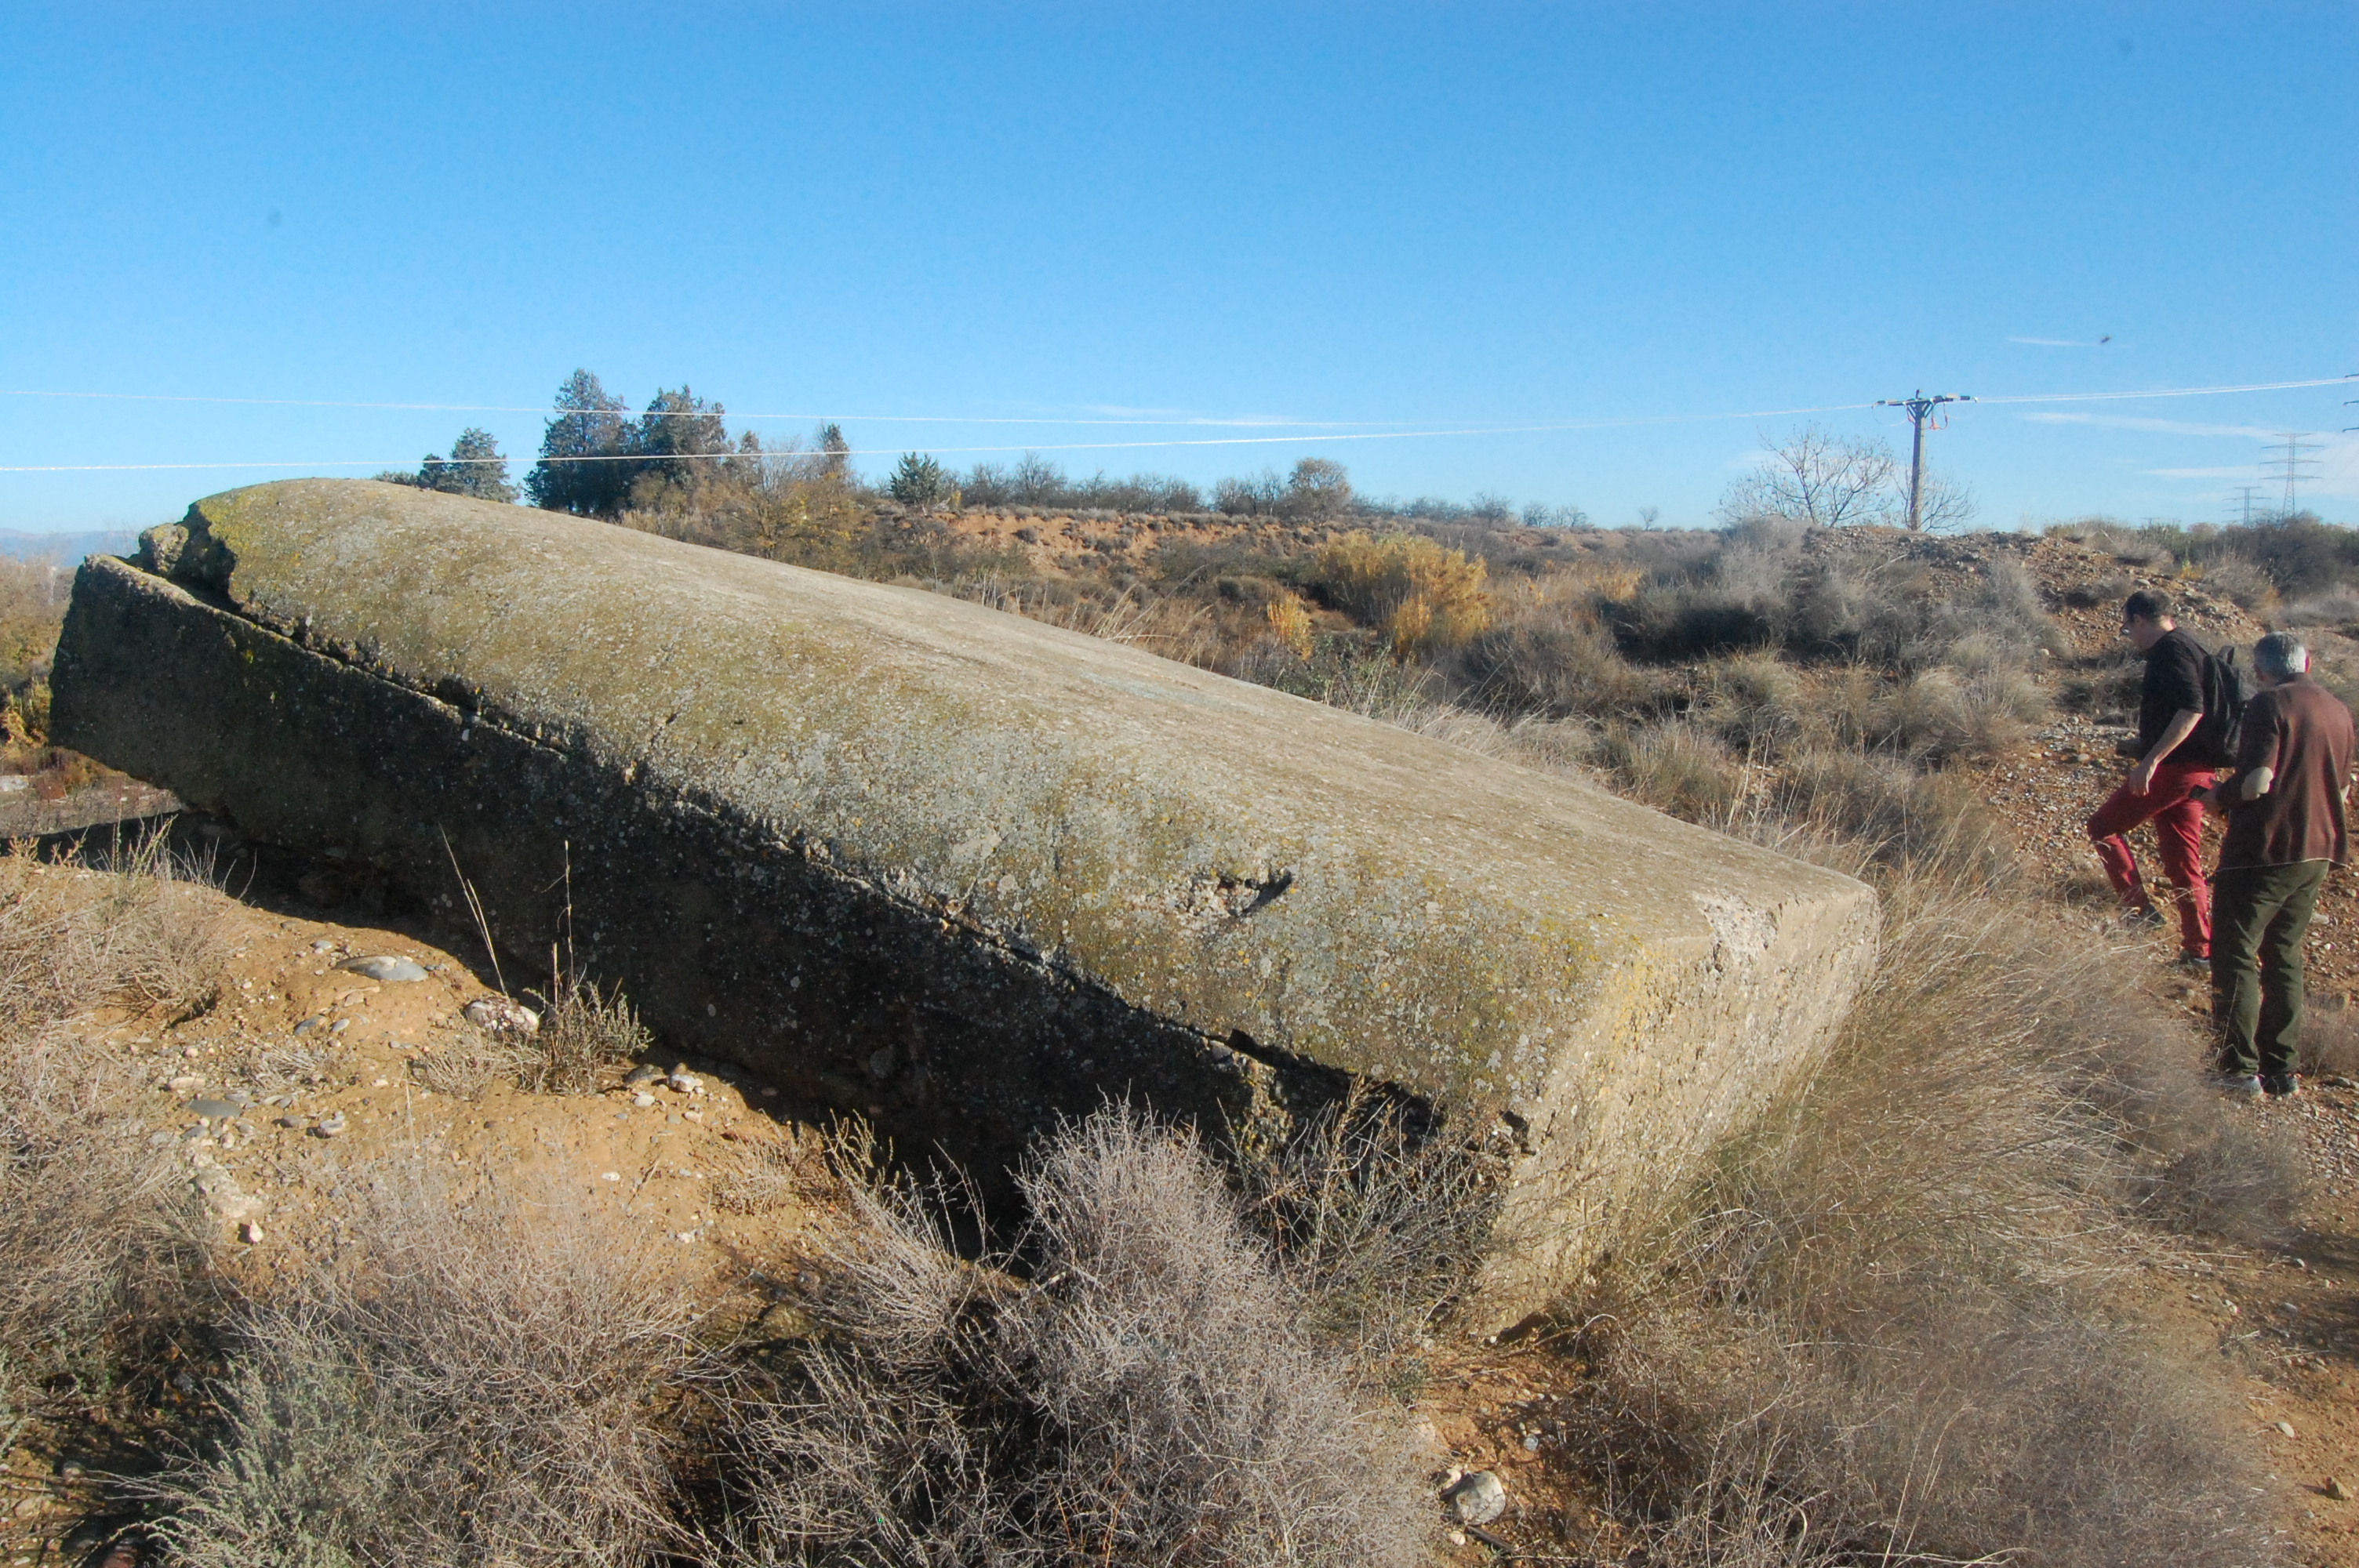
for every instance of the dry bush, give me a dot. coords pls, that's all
(1894, 815)
(1937, 715)
(1184, 629)
(96, 1225)
(276, 1066)
(766, 1175)
(1677, 767)
(489, 1382)
(584, 1034)
(2329, 1038)
(1289, 623)
(467, 1062)
(1148, 1396)
(1761, 705)
(1890, 1306)
(1550, 655)
(1423, 598)
(2338, 606)
(1378, 1222)
(2244, 584)
(144, 932)
(1349, 673)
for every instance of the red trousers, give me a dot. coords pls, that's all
(2178, 818)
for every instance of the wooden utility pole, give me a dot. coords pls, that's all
(1920, 408)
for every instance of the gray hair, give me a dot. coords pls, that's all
(2280, 656)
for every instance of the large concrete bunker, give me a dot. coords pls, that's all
(954, 869)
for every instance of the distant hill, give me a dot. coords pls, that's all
(66, 549)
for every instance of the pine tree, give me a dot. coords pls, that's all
(589, 425)
(920, 480)
(678, 428)
(834, 451)
(476, 468)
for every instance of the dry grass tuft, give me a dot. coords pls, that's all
(2329, 1039)
(1149, 1397)
(468, 1061)
(95, 1224)
(141, 931)
(1379, 1224)
(489, 1382)
(584, 1034)
(767, 1174)
(1890, 1303)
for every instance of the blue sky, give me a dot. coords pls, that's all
(1460, 216)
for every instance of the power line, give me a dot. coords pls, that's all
(670, 413)
(963, 452)
(2247, 492)
(1188, 421)
(1560, 426)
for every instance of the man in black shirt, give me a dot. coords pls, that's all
(2172, 769)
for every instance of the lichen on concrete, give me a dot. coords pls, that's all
(953, 867)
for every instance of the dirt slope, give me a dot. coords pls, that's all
(2288, 1323)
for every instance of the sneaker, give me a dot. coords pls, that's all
(2242, 1085)
(2146, 919)
(2192, 961)
(2282, 1086)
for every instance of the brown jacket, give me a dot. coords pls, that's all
(2302, 733)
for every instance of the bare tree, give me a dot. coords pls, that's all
(1318, 488)
(1816, 477)
(1944, 504)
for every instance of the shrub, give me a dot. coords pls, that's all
(1891, 814)
(472, 1382)
(96, 1227)
(1378, 1221)
(1421, 596)
(2244, 585)
(584, 1034)
(1935, 715)
(1147, 1397)
(766, 1174)
(2337, 606)
(143, 932)
(1757, 703)
(1904, 1331)
(1677, 767)
(2329, 1039)
(1345, 673)
(1549, 655)
(469, 1061)
(1685, 621)
(1289, 623)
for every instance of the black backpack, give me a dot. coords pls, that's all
(2224, 696)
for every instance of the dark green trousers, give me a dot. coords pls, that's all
(2259, 916)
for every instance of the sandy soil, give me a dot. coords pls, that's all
(308, 1042)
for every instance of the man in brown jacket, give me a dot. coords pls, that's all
(2285, 805)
